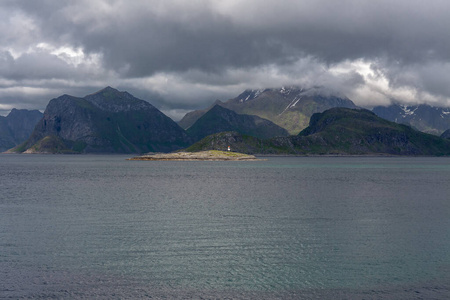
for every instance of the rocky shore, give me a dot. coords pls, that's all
(212, 155)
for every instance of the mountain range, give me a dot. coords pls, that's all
(17, 126)
(426, 118)
(292, 107)
(337, 131)
(288, 107)
(110, 121)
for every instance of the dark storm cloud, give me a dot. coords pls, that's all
(208, 38)
(154, 44)
(183, 53)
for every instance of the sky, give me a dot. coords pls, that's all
(182, 55)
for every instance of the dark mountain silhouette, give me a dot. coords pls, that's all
(219, 119)
(108, 121)
(17, 127)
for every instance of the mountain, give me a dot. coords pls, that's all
(219, 119)
(337, 131)
(17, 126)
(351, 131)
(108, 121)
(238, 142)
(288, 107)
(191, 117)
(446, 134)
(434, 120)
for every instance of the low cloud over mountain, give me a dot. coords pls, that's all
(184, 55)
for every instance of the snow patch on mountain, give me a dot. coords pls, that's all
(408, 110)
(291, 104)
(250, 95)
(286, 91)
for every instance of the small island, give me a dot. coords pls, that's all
(211, 155)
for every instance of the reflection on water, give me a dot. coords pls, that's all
(104, 227)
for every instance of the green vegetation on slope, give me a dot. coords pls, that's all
(289, 108)
(338, 131)
(219, 119)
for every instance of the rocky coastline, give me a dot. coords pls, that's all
(212, 155)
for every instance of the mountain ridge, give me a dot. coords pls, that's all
(424, 117)
(107, 121)
(287, 107)
(219, 119)
(337, 131)
(111, 121)
(17, 126)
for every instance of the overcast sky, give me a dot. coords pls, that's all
(182, 55)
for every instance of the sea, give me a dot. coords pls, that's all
(103, 227)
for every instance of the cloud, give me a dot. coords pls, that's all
(184, 55)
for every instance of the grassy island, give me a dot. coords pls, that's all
(213, 155)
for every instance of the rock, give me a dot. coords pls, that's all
(108, 121)
(17, 127)
(213, 155)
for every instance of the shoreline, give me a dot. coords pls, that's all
(212, 155)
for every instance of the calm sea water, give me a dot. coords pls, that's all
(286, 228)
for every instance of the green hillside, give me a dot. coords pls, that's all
(338, 131)
(287, 107)
(219, 119)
